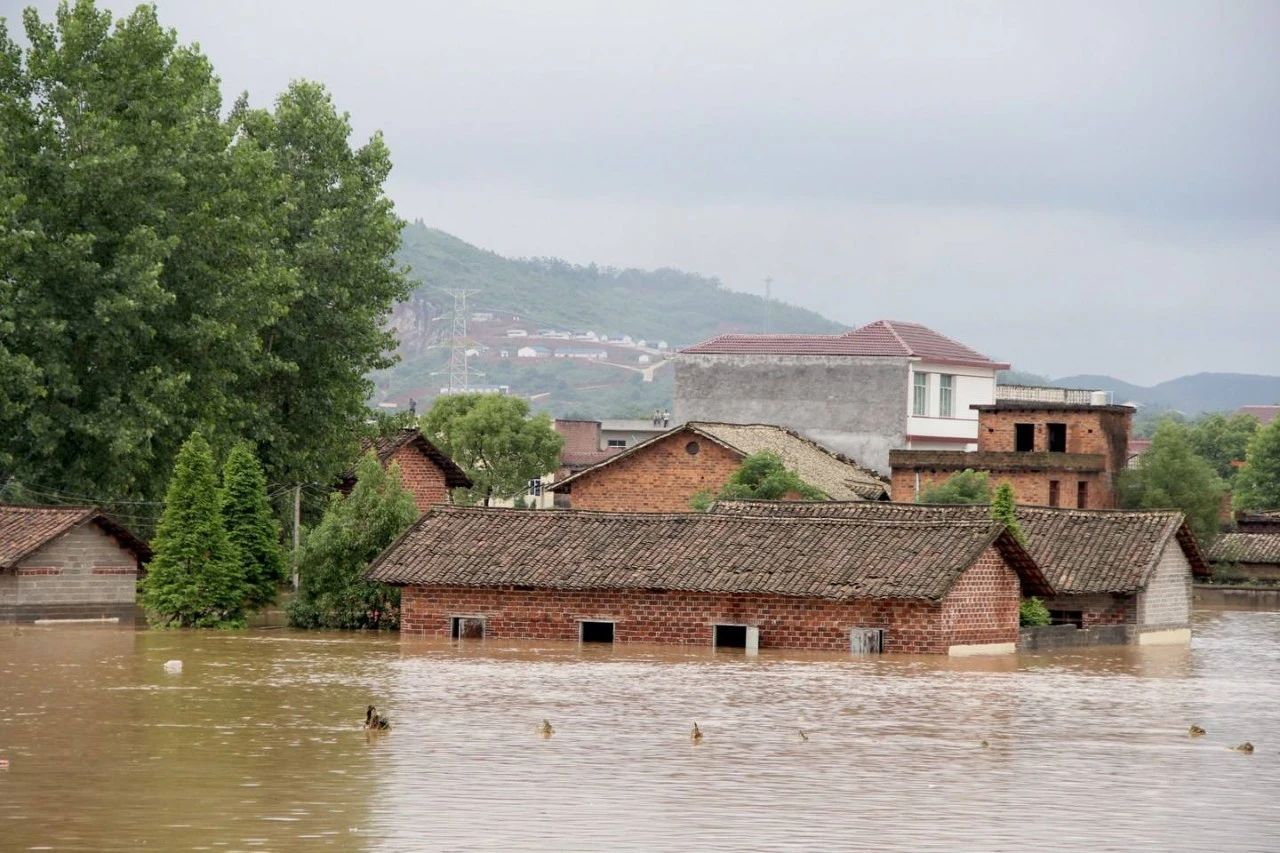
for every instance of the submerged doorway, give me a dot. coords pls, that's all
(595, 632)
(467, 628)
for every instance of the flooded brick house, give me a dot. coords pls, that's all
(837, 584)
(1120, 576)
(662, 473)
(61, 562)
(425, 471)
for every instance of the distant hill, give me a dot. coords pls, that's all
(1202, 392)
(532, 294)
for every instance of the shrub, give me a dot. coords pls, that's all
(1033, 613)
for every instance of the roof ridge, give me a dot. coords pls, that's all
(888, 324)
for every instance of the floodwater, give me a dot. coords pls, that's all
(258, 745)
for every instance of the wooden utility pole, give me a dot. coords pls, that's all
(297, 531)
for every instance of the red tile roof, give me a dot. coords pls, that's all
(25, 529)
(886, 338)
(1264, 414)
(831, 558)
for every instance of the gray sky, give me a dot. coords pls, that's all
(1073, 186)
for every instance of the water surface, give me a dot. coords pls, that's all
(257, 745)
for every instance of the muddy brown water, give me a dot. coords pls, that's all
(257, 745)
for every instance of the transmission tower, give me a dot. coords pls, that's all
(459, 380)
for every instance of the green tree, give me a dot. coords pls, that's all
(194, 578)
(1258, 485)
(963, 487)
(495, 440)
(163, 268)
(355, 528)
(1004, 510)
(761, 476)
(251, 526)
(1223, 440)
(1171, 475)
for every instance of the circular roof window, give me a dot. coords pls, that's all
(692, 448)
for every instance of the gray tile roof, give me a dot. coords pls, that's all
(1246, 548)
(1079, 551)
(834, 558)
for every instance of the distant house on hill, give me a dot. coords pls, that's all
(517, 333)
(581, 352)
(424, 469)
(534, 351)
(662, 473)
(1264, 414)
(883, 386)
(1120, 576)
(67, 563)
(711, 580)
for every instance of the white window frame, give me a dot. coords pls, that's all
(946, 395)
(920, 395)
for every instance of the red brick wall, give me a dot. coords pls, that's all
(579, 436)
(982, 607)
(661, 477)
(1099, 608)
(1029, 487)
(422, 477)
(1100, 432)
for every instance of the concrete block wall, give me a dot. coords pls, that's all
(850, 404)
(1166, 602)
(421, 477)
(982, 607)
(85, 573)
(661, 477)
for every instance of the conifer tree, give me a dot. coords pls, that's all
(1003, 510)
(251, 526)
(355, 529)
(193, 580)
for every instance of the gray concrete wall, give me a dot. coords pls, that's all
(91, 568)
(1048, 637)
(855, 406)
(1166, 602)
(8, 588)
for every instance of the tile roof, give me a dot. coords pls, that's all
(824, 558)
(1264, 414)
(836, 475)
(387, 445)
(887, 338)
(25, 529)
(1080, 551)
(1246, 548)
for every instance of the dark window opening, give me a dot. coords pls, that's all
(597, 632)
(692, 448)
(1053, 493)
(1067, 617)
(1024, 437)
(1082, 494)
(1057, 438)
(468, 628)
(730, 636)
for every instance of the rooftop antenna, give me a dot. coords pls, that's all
(768, 303)
(459, 378)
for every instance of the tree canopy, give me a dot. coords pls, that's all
(355, 529)
(1171, 475)
(495, 440)
(963, 487)
(163, 268)
(1223, 441)
(1258, 485)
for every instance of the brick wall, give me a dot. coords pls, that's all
(1166, 602)
(1098, 431)
(661, 477)
(579, 436)
(1099, 608)
(1029, 487)
(83, 568)
(982, 608)
(422, 477)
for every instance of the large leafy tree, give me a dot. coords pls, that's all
(355, 528)
(166, 268)
(1223, 440)
(495, 440)
(194, 578)
(1258, 486)
(251, 527)
(963, 487)
(1171, 475)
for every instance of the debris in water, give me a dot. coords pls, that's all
(173, 667)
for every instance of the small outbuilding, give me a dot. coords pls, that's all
(67, 563)
(1120, 576)
(1248, 556)
(425, 470)
(716, 580)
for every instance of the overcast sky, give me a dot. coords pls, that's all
(1075, 187)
